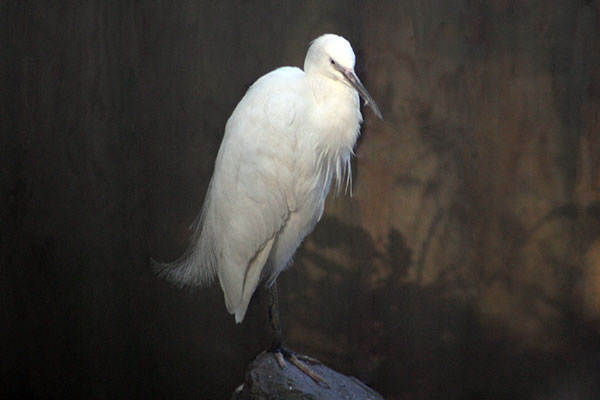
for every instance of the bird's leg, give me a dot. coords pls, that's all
(276, 335)
(277, 347)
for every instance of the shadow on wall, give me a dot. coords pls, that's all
(432, 340)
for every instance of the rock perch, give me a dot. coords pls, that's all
(266, 380)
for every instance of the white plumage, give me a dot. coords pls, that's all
(291, 134)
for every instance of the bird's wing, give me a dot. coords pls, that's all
(252, 191)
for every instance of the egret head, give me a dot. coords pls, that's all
(332, 56)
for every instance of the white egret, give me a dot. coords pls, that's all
(289, 137)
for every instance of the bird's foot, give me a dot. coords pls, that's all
(299, 361)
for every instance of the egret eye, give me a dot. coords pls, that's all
(332, 61)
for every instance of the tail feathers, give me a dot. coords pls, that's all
(198, 265)
(187, 272)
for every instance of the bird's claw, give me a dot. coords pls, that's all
(279, 358)
(304, 368)
(299, 360)
(307, 359)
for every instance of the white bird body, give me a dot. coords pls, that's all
(291, 134)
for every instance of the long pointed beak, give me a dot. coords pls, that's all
(357, 84)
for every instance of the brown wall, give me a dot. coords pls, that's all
(465, 266)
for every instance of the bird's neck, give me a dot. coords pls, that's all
(339, 117)
(327, 90)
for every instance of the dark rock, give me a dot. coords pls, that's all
(266, 380)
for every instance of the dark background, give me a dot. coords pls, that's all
(465, 266)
